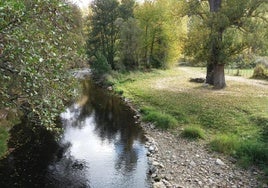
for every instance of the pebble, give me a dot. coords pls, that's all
(219, 162)
(159, 185)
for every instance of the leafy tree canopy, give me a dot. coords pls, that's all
(39, 41)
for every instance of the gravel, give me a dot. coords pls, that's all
(176, 162)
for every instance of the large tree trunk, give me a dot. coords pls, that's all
(215, 68)
(214, 5)
(210, 74)
(219, 78)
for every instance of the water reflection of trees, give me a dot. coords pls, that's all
(115, 123)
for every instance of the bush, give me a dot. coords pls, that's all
(261, 72)
(193, 132)
(100, 66)
(224, 143)
(161, 120)
(252, 152)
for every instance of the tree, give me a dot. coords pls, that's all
(36, 53)
(217, 19)
(103, 33)
(157, 21)
(129, 44)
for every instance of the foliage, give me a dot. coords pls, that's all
(193, 132)
(161, 120)
(101, 65)
(129, 43)
(103, 32)
(261, 72)
(3, 140)
(217, 36)
(161, 31)
(40, 41)
(133, 36)
(237, 24)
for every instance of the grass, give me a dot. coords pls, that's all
(225, 143)
(161, 120)
(229, 116)
(193, 132)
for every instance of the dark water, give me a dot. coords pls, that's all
(101, 147)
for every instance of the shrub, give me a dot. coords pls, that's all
(224, 143)
(161, 120)
(252, 152)
(100, 66)
(193, 132)
(261, 72)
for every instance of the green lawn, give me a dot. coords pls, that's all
(239, 111)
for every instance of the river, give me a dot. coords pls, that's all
(101, 147)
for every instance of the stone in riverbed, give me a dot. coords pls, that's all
(159, 185)
(219, 162)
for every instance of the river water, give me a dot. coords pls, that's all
(101, 147)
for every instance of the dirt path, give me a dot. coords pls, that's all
(176, 162)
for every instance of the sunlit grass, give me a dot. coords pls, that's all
(193, 132)
(240, 110)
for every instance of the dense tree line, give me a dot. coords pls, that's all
(124, 35)
(39, 41)
(129, 36)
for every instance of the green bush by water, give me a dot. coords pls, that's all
(193, 132)
(161, 120)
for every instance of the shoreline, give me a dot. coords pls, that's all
(176, 162)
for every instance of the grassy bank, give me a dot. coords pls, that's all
(232, 121)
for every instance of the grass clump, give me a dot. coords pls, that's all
(161, 120)
(193, 132)
(225, 143)
(252, 152)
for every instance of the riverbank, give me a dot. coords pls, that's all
(231, 113)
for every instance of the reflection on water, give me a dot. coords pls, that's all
(101, 147)
(102, 138)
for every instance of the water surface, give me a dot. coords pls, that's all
(101, 147)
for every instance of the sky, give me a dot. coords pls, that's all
(82, 3)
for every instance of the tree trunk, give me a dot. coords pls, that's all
(219, 78)
(210, 74)
(215, 67)
(214, 5)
